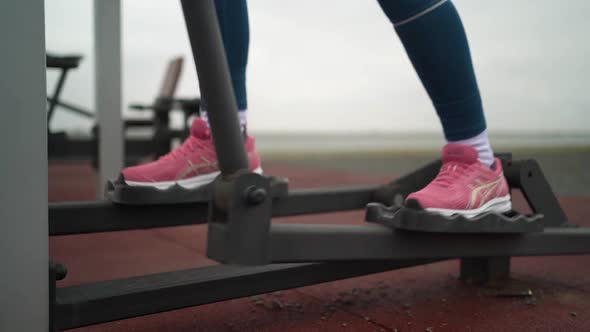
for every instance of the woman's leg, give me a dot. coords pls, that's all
(234, 25)
(471, 181)
(194, 163)
(435, 41)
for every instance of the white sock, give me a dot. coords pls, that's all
(481, 143)
(242, 114)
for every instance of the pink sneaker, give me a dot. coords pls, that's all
(191, 165)
(464, 186)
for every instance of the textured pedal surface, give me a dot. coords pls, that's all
(399, 217)
(117, 191)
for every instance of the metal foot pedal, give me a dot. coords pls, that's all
(121, 193)
(405, 218)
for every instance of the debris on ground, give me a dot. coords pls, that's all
(514, 292)
(275, 305)
(297, 307)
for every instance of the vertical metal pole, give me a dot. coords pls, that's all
(490, 270)
(215, 82)
(108, 88)
(23, 168)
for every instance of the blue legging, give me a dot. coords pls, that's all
(233, 23)
(435, 41)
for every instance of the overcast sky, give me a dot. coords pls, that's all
(337, 65)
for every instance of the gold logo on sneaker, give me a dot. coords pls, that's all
(485, 189)
(197, 168)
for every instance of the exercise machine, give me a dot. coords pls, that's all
(159, 138)
(239, 206)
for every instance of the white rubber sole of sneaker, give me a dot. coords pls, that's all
(190, 183)
(496, 205)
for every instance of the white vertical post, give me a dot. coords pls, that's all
(108, 88)
(24, 289)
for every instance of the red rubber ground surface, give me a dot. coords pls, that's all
(426, 298)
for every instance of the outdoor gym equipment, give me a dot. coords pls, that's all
(239, 206)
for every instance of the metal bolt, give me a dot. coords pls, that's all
(255, 195)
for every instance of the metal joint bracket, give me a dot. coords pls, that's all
(239, 220)
(527, 176)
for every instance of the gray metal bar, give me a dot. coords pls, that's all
(103, 216)
(313, 242)
(24, 291)
(118, 299)
(56, 94)
(215, 83)
(69, 106)
(108, 88)
(320, 200)
(529, 178)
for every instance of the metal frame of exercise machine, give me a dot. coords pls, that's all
(239, 206)
(240, 228)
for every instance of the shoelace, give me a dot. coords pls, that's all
(449, 172)
(188, 147)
